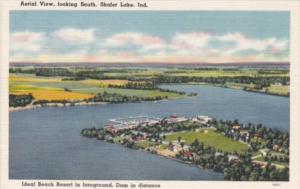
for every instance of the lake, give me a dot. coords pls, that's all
(45, 143)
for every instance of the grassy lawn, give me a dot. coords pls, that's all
(143, 144)
(163, 146)
(273, 162)
(210, 138)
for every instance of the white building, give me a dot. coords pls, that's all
(128, 123)
(201, 119)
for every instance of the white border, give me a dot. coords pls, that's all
(269, 5)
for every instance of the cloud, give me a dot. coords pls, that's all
(232, 44)
(193, 41)
(145, 42)
(75, 36)
(26, 41)
(83, 46)
(244, 43)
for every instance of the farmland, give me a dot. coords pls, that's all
(55, 88)
(82, 83)
(48, 93)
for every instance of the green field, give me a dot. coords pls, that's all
(273, 89)
(196, 73)
(260, 158)
(21, 83)
(210, 138)
(238, 85)
(137, 73)
(129, 92)
(279, 89)
(25, 84)
(143, 144)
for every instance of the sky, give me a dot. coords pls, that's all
(149, 36)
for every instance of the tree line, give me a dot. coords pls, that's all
(20, 100)
(119, 98)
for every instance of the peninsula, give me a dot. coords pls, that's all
(241, 152)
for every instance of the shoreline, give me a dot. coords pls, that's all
(56, 105)
(166, 157)
(82, 103)
(69, 104)
(228, 87)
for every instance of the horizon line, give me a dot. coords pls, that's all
(159, 63)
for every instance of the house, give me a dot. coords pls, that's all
(219, 154)
(111, 128)
(276, 147)
(232, 157)
(201, 119)
(236, 127)
(244, 132)
(264, 151)
(173, 148)
(187, 155)
(185, 147)
(257, 136)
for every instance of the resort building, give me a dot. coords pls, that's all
(115, 125)
(201, 119)
(175, 119)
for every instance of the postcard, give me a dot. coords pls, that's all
(150, 94)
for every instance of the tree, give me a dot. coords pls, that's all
(182, 144)
(179, 138)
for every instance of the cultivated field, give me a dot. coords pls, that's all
(55, 88)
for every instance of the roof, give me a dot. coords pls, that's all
(188, 154)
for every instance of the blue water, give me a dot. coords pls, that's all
(45, 143)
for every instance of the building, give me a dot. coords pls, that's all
(175, 119)
(188, 155)
(201, 119)
(173, 148)
(219, 154)
(236, 127)
(115, 125)
(232, 157)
